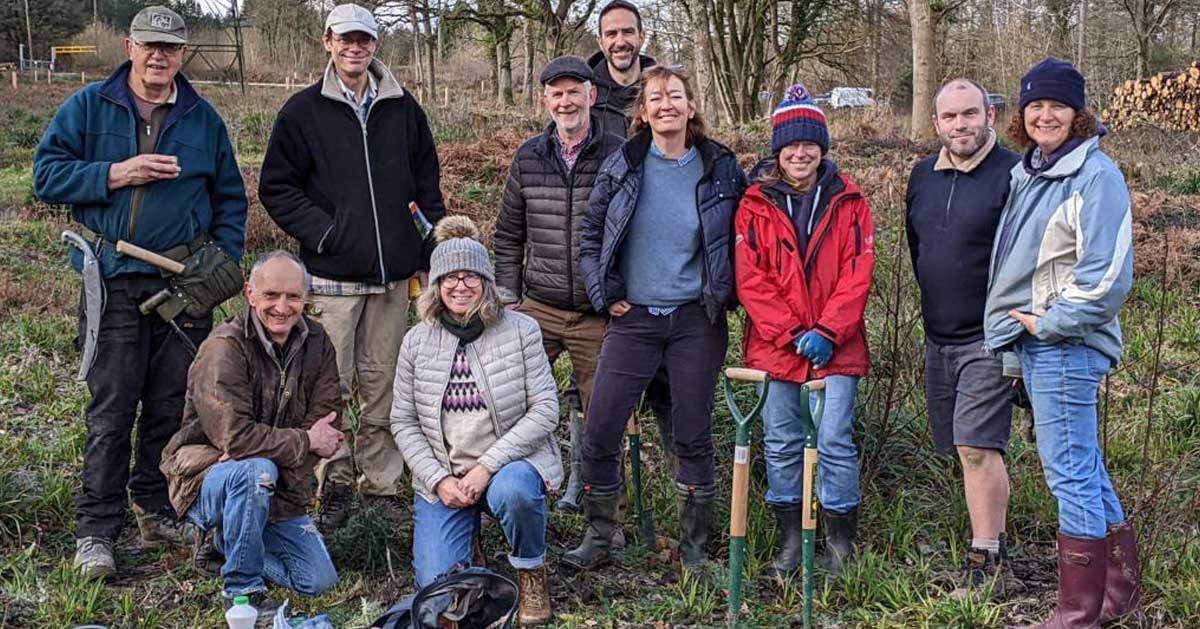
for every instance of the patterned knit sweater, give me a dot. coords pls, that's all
(466, 422)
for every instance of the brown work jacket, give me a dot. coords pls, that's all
(248, 398)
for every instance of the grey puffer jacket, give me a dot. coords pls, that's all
(510, 366)
(541, 218)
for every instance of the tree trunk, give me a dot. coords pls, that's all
(431, 56)
(418, 62)
(704, 68)
(504, 71)
(527, 36)
(924, 71)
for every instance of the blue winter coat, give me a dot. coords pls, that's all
(96, 127)
(1064, 252)
(612, 203)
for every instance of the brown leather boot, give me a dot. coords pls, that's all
(1123, 578)
(1081, 569)
(535, 597)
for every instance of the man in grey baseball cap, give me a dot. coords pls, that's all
(165, 179)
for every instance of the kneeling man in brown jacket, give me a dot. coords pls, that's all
(263, 406)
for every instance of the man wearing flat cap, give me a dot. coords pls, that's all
(537, 232)
(139, 157)
(346, 158)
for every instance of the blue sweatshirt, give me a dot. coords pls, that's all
(660, 259)
(951, 217)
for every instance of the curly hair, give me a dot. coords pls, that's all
(697, 129)
(1085, 125)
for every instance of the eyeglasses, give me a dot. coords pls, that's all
(362, 40)
(471, 280)
(168, 50)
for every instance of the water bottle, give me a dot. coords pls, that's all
(242, 615)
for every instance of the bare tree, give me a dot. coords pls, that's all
(1148, 17)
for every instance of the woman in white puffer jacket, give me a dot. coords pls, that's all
(474, 414)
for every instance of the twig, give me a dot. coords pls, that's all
(1158, 343)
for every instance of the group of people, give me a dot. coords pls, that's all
(625, 236)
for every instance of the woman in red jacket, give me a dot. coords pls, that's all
(804, 254)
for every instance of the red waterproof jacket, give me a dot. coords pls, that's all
(825, 289)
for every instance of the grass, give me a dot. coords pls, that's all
(913, 521)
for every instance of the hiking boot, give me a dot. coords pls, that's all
(569, 502)
(162, 527)
(600, 506)
(695, 517)
(787, 563)
(1123, 575)
(841, 531)
(265, 605)
(335, 507)
(207, 557)
(984, 569)
(1082, 565)
(94, 557)
(534, 596)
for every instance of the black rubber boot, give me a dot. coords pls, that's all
(787, 562)
(841, 531)
(600, 506)
(695, 518)
(574, 491)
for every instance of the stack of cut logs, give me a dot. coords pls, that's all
(1169, 100)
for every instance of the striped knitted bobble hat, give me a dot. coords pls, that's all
(798, 119)
(458, 249)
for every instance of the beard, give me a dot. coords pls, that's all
(978, 140)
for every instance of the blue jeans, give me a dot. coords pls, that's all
(237, 496)
(1063, 380)
(516, 497)
(783, 443)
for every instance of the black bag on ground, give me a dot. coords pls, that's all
(463, 598)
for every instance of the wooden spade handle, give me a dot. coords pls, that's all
(149, 257)
(745, 374)
(631, 427)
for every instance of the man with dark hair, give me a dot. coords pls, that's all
(263, 405)
(954, 202)
(618, 65)
(346, 158)
(142, 158)
(538, 230)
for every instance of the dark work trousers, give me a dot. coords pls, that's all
(139, 360)
(692, 349)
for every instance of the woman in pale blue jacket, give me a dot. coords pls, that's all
(1062, 266)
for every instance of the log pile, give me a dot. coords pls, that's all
(1169, 100)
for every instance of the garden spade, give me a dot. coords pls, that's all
(741, 481)
(810, 417)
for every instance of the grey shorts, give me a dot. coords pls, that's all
(966, 395)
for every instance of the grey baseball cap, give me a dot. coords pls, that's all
(347, 18)
(158, 24)
(566, 65)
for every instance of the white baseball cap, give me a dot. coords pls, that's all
(347, 18)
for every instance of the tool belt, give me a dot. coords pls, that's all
(209, 278)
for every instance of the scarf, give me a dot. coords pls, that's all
(466, 332)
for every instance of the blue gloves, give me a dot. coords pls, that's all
(816, 348)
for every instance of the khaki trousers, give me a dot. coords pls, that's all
(366, 331)
(579, 334)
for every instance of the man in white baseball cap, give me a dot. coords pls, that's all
(345, 159)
